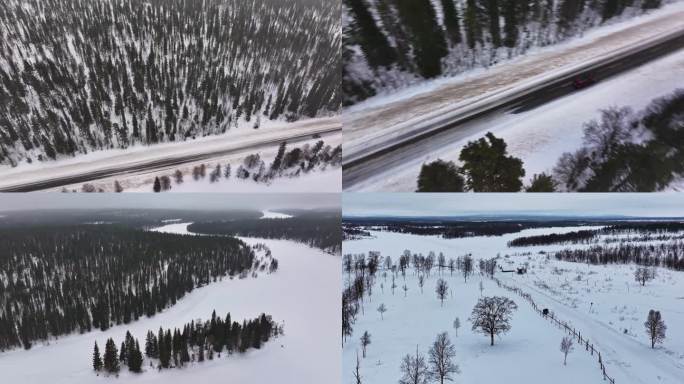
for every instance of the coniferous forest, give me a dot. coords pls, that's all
(195, 342)
(316, 230)
(76, 278)
(392, 43)
(84, 75)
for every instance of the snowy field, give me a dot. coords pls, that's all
(302, 295)
(529, 353)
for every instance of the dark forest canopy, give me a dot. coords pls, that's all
(390, 44)
(139, 218)
(58, 280)
(641, 228)
(84, 75)
(316, 230)
(667, 255)
(196, 341)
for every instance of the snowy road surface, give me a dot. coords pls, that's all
(302, 294)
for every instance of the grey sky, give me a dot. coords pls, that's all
(414, 204)
(199, 201)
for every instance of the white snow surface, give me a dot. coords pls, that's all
(529, 353)
(302, 294)
(274, 215)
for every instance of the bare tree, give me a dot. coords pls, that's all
(421, 282)
(382, 309)
(441, 289)
(467, 267)
(492, 315)
(365, 341)
(414, 369)
(405, 288)
(178, 176)
(165, 183)
(357, 373)
(481, 287)
(451, 266)
(441, 357)
(457, 325)
(441, 262)
(566, 347)
(655, 327)
(642, 275)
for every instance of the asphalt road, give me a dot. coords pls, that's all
(155, 165)
(413, 145)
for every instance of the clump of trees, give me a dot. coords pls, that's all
(616, 158)
(492, 316)
(287, 164)
(486, 167)
(439, 367)
(642, 275)
(195, 340)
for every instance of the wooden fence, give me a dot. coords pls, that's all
(577, 335)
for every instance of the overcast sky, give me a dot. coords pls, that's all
(199, 201)
(415, 204)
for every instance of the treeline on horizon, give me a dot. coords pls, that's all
(193, 342)
(59, 280)
(316, 230)
(585, 235)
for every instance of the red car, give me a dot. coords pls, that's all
(583, 81)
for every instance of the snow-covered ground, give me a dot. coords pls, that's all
(540, 136)
(529, 353)
(115, 158)
(274, 215)
(303, 294)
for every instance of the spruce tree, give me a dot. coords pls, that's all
(97, 360)
(111, 361)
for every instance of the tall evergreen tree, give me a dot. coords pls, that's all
(97, 360)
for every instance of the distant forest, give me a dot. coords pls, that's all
(316, 230)
(84, 75)
(448, 228)
(58, 280)
(389, 44)
(574, 237)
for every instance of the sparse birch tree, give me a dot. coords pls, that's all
(566, 347)
(441, 290)
(441, 357)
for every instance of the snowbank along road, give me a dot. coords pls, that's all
(161, 156)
